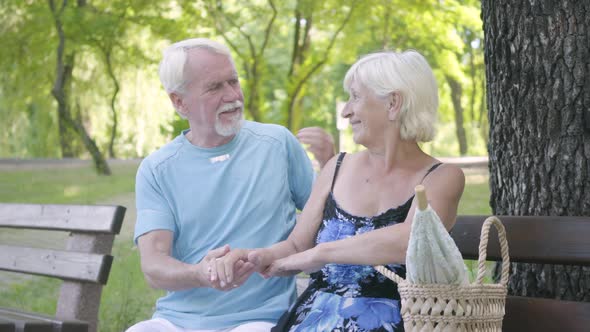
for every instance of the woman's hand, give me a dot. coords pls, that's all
(307, 261)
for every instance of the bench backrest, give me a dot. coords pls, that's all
(84, 265)
(544, 240)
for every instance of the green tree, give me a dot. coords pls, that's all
(251, 56)
(62, 87)
(23, 65)
(307, 57)
(291, 55)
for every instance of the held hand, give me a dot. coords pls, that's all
(232, 270)
(207, 263)
(261, 258)
(321, 144)
(306, 261)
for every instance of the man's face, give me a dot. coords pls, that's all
(213, 99)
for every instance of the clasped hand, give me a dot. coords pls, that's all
(228, 269)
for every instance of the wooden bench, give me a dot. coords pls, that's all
(545, 240)
(83, 265)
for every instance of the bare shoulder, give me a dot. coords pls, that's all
(326, 175)
(449, 171)
(447, 180)
(352, 160)
(324, 179)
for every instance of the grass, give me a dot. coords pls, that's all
(126, 298)
(476, 196)
(476, 200)
(65, 185)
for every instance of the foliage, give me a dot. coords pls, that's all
(292, 56)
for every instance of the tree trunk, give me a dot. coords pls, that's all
(456, 93)
(63, 76)
(301, 46)
(116, 87)
(537, 66)
(67, 137)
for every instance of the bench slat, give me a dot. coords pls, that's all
(6, 326)
(82, 218)
(28, 321)
(546, 240)
(534, 314)
(27, 324)
(57, 324)
(66, 265)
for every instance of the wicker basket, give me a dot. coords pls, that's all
(472, 307)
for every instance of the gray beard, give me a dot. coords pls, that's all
(229, 130)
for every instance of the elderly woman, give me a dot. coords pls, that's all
(361, 208)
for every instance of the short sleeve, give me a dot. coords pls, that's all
(301, 174)
(153, 210)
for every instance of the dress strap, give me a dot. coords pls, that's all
(338, 163)
(435, 166)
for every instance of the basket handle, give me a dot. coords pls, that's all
(389, 274)
(483, 245)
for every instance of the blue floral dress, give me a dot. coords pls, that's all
(343, 297)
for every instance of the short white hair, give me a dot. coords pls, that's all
(409, 75)
(172, 73)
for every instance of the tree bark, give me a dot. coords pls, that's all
(538, 83)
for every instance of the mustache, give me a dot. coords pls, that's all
(229, 106)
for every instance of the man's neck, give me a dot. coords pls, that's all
(208, 142)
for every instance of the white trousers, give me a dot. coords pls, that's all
(162, 325)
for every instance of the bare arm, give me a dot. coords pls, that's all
(303, 235)
(389, 244)
(162, 271)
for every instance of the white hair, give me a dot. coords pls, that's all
(172, 73)
(409, 75)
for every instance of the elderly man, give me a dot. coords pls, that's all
(222, 183)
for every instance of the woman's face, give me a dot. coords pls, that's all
(367, 114)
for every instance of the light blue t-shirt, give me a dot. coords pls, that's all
(245, 194)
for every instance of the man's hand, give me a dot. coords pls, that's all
(230, 270)
(320, 143)
(205, 269)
